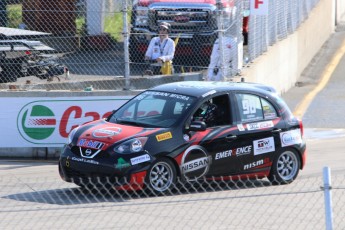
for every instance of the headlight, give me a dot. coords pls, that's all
(71, 135)
(131, 146)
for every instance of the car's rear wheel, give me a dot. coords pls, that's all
(285, 167)
(161, 177)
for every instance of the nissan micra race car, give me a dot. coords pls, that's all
(186, 132)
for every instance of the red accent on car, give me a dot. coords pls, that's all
(301, 127)
(304, 158)
(136, 183)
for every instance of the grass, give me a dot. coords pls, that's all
(14, 15)
(113, 24)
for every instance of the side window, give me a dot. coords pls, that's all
(269, 110)
(180, 107)
(249, 107)
(214, 112)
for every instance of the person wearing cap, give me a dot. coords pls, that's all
(161, 49)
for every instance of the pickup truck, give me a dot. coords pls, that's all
(193, 21)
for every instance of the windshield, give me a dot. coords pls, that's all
(153, 109)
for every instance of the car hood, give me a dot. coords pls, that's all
(110, 133)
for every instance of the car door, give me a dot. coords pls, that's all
(259, 126)
(218, 139)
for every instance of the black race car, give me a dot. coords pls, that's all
(188, 131)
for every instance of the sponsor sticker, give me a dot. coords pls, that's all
(256, 164)
(264, 146)
(186, 137)
(164, 136)
(260, 125)
(291, 137)
(234, 152)
(85, 160)
(224, 154)
(90, 144)
(243, 150)
(241, 127)
(140, 159)
(195, 162)
(108, 132)
(121, 164)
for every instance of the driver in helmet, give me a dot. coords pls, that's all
(206, 113)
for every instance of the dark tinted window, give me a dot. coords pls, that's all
(254, 108)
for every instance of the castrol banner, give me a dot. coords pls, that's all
(46, 122)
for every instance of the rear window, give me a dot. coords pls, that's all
(254, 108)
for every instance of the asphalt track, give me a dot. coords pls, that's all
(32, 196)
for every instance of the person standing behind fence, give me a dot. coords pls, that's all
(214, 72)
(161, 50)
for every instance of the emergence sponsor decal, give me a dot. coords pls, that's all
(264, 146)
(234, 152)
(291, 137)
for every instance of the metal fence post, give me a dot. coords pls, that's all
(125, 44)
(328, 197)
(220, 37)
(3, 13)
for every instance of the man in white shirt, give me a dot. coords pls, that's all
(229, 48)
(161, 49)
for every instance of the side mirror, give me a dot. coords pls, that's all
(197, 126)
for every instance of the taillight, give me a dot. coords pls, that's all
(28, 52)
(301, 127)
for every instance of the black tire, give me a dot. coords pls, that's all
(285, 167)
(161, 177)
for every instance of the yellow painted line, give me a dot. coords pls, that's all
(326, 76)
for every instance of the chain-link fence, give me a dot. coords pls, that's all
(102, 43)
(284, 17)
(28, 202)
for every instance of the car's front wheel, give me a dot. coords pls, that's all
(161, 177)
(285, 167)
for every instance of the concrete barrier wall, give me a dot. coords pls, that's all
(340, 11)
(284, 62)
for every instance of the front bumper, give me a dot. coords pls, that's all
(101, 171)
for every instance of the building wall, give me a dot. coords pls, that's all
(57, 17)
(283, 63)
